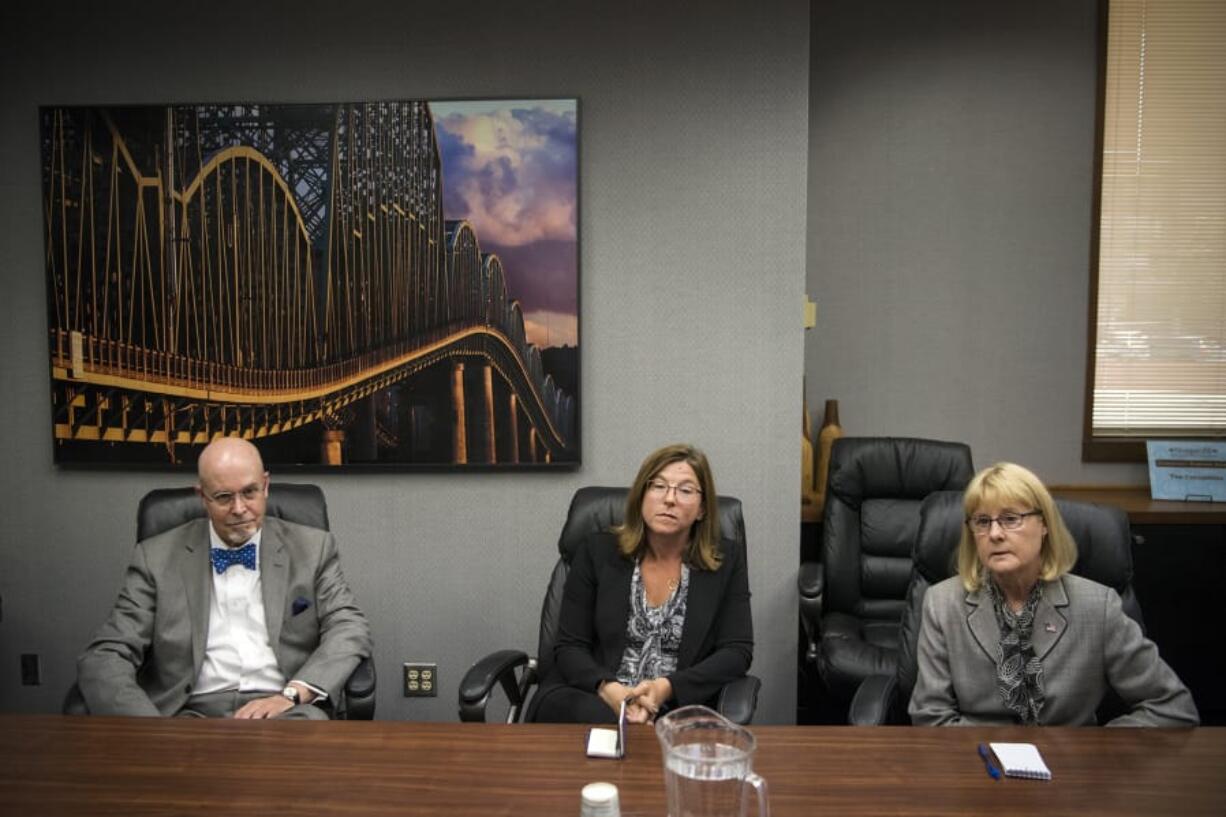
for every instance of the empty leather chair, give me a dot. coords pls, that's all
(851, 602)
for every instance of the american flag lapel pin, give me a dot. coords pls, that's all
(1050, 627)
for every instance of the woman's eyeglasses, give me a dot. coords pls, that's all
(685, 492)
(982, 523)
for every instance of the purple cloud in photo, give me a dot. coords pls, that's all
(509, 169)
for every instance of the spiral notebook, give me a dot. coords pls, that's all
(1021, 760)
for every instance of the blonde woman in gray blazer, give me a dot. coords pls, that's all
(1015, 638)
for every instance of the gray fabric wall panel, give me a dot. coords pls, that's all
(693, 153)
(950, 191)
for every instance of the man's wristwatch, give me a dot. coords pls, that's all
(290, 693)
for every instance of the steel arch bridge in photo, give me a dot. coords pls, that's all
(255, 269)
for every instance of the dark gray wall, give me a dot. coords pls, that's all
(950, 188)
(694, 142)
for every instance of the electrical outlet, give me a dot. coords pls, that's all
(420, 680)
(31, 670)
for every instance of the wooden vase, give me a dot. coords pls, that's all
(808, 469)
(830, 431)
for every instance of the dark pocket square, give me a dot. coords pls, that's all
(299, 605)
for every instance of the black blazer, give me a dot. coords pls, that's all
(716, 640)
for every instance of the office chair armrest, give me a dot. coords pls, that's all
(811, 581)
(360, 692)
(497, 667)
(873, 701)
(738, 699)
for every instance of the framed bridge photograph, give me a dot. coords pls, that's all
(356, 284)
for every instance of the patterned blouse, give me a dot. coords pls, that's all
(653, 634)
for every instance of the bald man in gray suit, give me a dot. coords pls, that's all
(234, 615)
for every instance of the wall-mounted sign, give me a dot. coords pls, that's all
(1187, 471)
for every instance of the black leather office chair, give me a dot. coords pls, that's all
(592, 509)
(164, 508)
(1104, 554)
(851, 601)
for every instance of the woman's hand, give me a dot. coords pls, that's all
(614, 692)
(652, 694)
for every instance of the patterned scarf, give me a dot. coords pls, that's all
(1019, 674)
(653, 634)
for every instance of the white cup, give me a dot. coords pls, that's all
(600, 800)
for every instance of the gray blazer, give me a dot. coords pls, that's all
(145, 658)
(1087, 645)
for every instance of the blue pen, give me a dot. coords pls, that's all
(993, 772)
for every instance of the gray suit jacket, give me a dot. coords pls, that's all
(145, 658)
(1087, 645)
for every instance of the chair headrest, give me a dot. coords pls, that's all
(1102, 534)
(936, 543)
(595, 508)
(896, 467)
(1104, 542)
(164, 508)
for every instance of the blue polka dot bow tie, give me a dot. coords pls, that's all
(224, 558)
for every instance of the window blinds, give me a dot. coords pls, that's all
(1160, 359)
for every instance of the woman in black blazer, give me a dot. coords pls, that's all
(656, 610)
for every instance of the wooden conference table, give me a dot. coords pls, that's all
(51, 764)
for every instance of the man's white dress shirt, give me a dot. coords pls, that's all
(238, 655)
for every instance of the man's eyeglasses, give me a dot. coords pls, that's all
(685, 492)
(226, 498)
(981, 523)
